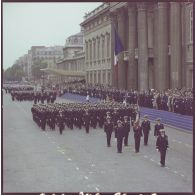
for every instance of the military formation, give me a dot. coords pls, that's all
(115, 118)
(47, 96)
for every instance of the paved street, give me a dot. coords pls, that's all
(37, 161)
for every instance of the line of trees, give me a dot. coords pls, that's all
(16, 72)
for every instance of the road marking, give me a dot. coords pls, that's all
(62, 152)
(145, 156)
(69, 159)
(187, 145)
(152, 160)
(175, 172)
(86, 177)
(179, 142)
(182, 175)
(97, 189)
(58, 146)
(77, 168)
(92, 165)
(167, 167)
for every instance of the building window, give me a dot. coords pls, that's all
(191, 26)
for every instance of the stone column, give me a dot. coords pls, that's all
(175, 42)
(89, 52)
(121, 64)
(162, 45)
(142, 47)
(155, 48)
(96, 50)
(113, 68)
(132, 68)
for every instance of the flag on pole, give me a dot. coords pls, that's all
(118, 47)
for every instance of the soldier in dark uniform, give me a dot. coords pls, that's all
(146, 129)
(137, 135)
(108, 129)
(119, 135)
(115, 118)
(87, 121)
(133, 116)
(42, 98)
(162, 145)
(157, 127)
(43, 119)
(60, 122)
(126, 125)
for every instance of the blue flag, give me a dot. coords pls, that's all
(118, 45)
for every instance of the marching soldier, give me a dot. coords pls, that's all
(86, 120)
(60, 122)
(162, 145)
(115, 118)
(157, 127)
(133, 116)
(146, 129)
(108, 129)
(126, 125)
(137, 135)
(119, 135)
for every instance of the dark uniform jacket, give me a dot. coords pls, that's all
(157, 128)
(120, 132)
(137, 131)
(162, 143)
(108, 127)
(146, 126)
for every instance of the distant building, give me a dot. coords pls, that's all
(72, 66)
(97, 35)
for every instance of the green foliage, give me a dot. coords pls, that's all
(14, 73)
(36, 69)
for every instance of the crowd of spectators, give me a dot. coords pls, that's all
(172, 100)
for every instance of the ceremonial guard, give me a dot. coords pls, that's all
(157, 127)
(146, 129)
(126, 125)
(86, 120)
(119, 135)
(108, 129)
(137, 135)
(60, 122)
(162, 145)
(115, 118)
(133, 116)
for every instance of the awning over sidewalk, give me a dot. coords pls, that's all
(63, 72)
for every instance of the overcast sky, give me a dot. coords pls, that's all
(33, 24)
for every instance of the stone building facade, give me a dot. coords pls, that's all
(158, 44)
(72, 66)
(97, 35)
